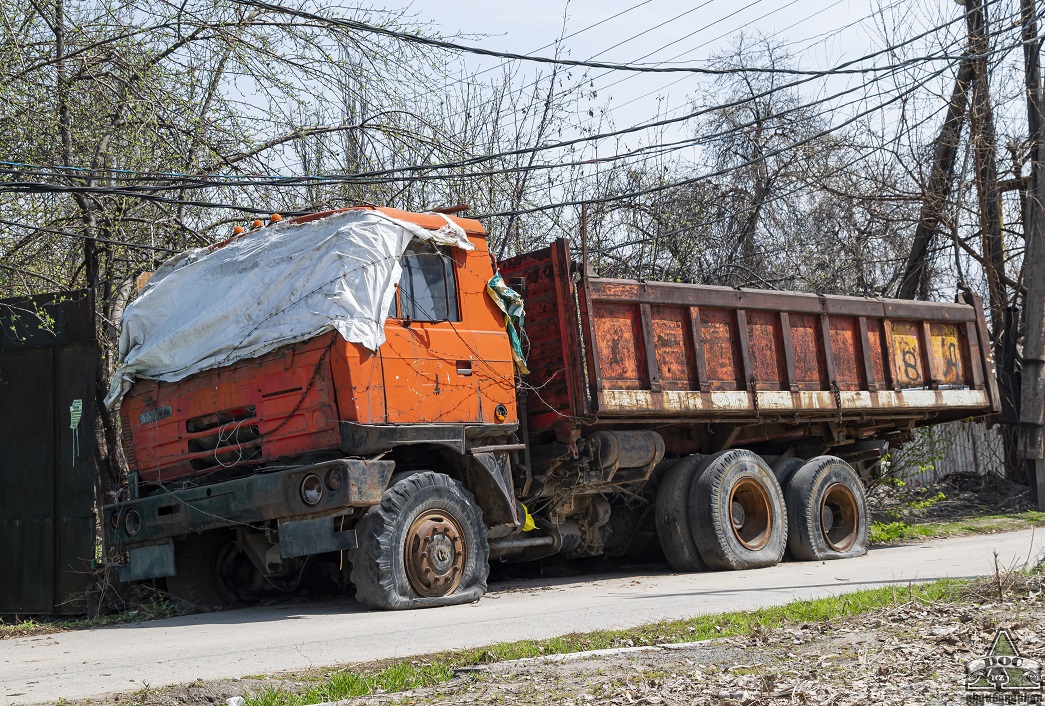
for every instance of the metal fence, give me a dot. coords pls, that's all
(955, 447)
(48, 361)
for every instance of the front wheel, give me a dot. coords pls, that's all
(424, 545)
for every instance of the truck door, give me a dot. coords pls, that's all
(427, 365)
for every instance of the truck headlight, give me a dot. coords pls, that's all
(334, 479)
(311, 489)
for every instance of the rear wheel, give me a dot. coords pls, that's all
(827, 511)
(736, 512)
(213, 572)
(672, 515)
(424, 545)
(784, 468)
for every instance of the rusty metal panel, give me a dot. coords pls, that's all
(543, 335)
(568, 296)
(946, 353)
(768, 365)
(909, 354)
(648, 349)
(720, 348)
(874, 342)
(773, 363)
(618, 336)
(674, 348)
(983, 342)
(808, 352)
(845, 345)
(697, 342)
(47, 525)
(752, 299)
(268, 407)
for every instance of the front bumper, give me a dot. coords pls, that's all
(258, 498)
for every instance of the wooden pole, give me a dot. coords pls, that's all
(1032, 397)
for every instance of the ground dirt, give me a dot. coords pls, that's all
(910, 654)
(965, 496)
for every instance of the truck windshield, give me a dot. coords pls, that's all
(427, 289)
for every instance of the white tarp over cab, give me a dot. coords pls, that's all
(281, 284)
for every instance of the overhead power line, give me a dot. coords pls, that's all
(703, 177)
(472, 161)
(452, 46)
(44, 188)
(544, 207)
(182, 181)
(83, 236)
(386, 175)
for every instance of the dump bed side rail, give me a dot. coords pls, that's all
(681, 351)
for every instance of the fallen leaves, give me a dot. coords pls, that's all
(908, 655)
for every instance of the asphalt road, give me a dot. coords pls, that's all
(296, 636)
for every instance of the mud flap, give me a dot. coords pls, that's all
(315, 536)
(152, 562)
(490, 477)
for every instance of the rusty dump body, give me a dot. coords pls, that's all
(714, 367)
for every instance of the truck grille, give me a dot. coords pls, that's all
(233, 440)
(218, 419)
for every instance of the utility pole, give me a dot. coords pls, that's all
(1032, 398)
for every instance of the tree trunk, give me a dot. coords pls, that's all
(985, 163)
(109, 465)
(989, 194)
(914, 284)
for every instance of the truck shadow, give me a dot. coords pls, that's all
(627, 582)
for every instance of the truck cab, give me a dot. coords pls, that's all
(250, 468)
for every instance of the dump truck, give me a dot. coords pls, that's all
(723, 427)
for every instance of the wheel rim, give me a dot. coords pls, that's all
(435, 554)
(839, 517)
(749, 514)
(235, 574)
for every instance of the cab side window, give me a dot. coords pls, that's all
(428, 288)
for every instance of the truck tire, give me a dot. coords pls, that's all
(212, 573)
(784, 468)
(672, 515)
(423, 545)
(827, 511)
(736, 512)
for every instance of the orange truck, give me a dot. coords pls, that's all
(720, 426)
